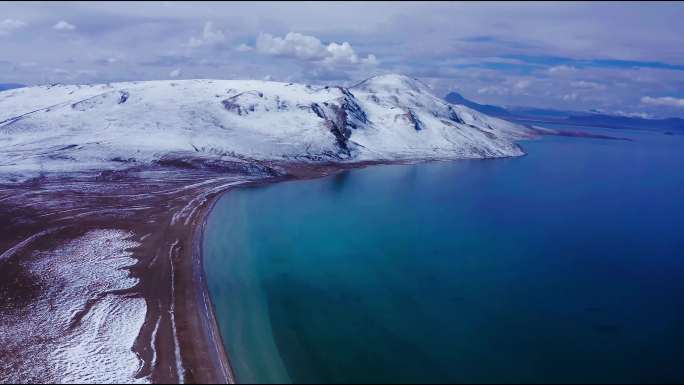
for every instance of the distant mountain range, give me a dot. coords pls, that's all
(577, 118)
(10, 86)
(497, 111)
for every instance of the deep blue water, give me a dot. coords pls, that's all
(566, 265)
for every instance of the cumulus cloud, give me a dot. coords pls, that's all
(64, 26)
(175, 73)
(309, 48)
(7, 26)
(210, 36)
(665, 101)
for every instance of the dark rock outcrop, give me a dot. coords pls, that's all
(413, 120)
(342, 117)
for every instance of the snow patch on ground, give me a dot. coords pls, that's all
(82, 328)
(101, 348)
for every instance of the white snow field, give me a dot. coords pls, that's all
(80, 330)
(66, 128)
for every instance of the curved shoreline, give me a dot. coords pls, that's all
(210, 329)
(163, 211)
(166, 212)
(208, 317)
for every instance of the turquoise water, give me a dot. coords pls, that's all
(566, 265)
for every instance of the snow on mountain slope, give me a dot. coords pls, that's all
(410, 122)
(63, 128)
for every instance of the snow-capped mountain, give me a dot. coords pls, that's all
(62, 128)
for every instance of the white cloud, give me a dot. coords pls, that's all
(492, 90)
(371, 60)
(75, 75)
(585, 85)
(64, 26)
(86, 73)
(310, 48)
(562, 70)
(244, 48)
(522, 84)
(7, 26)
(210, 36)
(175, 73)
(570, 97)
(665, 101)
(293, 45)
(642, 115)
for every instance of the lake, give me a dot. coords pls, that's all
(565, 265)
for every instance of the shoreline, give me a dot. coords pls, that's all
(211, 330)
(163, 213)
(156, 218)
(138, 228)
(295, 172)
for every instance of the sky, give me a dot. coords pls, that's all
(621, 58)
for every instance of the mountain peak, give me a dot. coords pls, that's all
(392, 82)
(456, 98)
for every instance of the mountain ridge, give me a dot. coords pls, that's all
(589, 118)
(63, 128)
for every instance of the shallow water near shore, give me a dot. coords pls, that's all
(565, 265)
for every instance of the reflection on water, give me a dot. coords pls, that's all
(338, 181)
(566, 265)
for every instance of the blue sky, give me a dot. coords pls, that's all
(623, 58)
